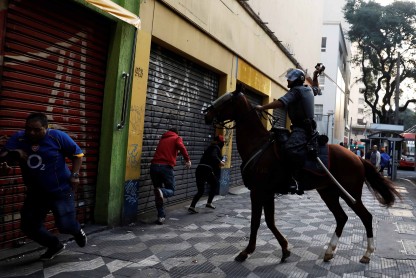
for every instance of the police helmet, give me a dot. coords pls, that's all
(295, 74)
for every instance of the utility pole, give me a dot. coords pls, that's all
(396, 97)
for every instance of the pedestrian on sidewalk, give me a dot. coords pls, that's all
(384, 160)
(161, 169)
(41, 152)
(209, 171)
(375, 157)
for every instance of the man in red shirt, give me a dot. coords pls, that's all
(161, 168)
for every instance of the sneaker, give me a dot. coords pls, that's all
(81, 238)
(52, 252)
(211, 206)
(158, 195)
(160, 220)
(192, 210)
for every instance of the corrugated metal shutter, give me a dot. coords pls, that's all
(178, 91)
(280, 114)
(235, 171)
(55, 62)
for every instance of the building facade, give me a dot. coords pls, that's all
(116, 89)
(190, 53)
(331, 109)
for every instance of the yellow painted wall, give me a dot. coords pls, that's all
(138, 104)
(253, 78)
(227, 84)
(219, 35)
(229, 25)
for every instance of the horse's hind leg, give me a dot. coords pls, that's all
(270, 221)
(367, 219)
(331, 199)
(256, 210)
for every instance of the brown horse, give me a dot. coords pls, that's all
(348, 169)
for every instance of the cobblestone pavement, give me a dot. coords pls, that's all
(205, 244)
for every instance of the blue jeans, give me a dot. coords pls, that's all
(37, 206)
(163, 177)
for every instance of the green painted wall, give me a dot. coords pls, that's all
(113, 144)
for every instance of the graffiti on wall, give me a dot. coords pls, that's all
(130, 201)
(181, 87)
(178, 92)
(130, 192)
(133, 151)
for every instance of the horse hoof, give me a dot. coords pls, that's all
(241, 257)
(365, 260)
(328, 257)
(285, 255)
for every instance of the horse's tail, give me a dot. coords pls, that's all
(383, 189)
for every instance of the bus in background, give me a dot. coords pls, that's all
(407, 158)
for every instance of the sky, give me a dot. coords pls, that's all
(386, 2)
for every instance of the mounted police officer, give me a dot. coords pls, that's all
(299, 102)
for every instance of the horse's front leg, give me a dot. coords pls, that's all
(329, 253)
(270, 221)
(256, 210)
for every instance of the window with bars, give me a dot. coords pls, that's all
(319, 110)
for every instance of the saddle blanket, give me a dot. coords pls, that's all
(314, 166)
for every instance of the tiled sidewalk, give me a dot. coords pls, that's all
(205, 244)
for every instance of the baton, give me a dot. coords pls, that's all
(336, 182)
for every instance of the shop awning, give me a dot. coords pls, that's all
(117, 11)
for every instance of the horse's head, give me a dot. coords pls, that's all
(221, 109)
(224, 108)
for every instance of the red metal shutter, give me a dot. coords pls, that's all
(55, 57)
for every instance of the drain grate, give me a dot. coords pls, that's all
(406, 228)
(409, 247)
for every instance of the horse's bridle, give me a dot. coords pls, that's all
(219, 102)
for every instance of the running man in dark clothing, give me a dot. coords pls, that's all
(209, 170)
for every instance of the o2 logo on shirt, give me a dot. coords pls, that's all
(34, 161)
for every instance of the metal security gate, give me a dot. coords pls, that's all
(55, 57)
(178, 91)
(280, 115)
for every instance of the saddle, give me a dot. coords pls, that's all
(317, 146)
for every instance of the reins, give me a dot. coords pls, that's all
(223, 124)
(264, 114)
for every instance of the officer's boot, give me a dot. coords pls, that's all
(287, 183)
(299, 189)
(292, 185)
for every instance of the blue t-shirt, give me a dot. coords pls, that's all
(46, 169)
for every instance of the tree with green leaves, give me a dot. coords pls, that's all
(384, 34)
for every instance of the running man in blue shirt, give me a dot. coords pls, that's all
(41, 154)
